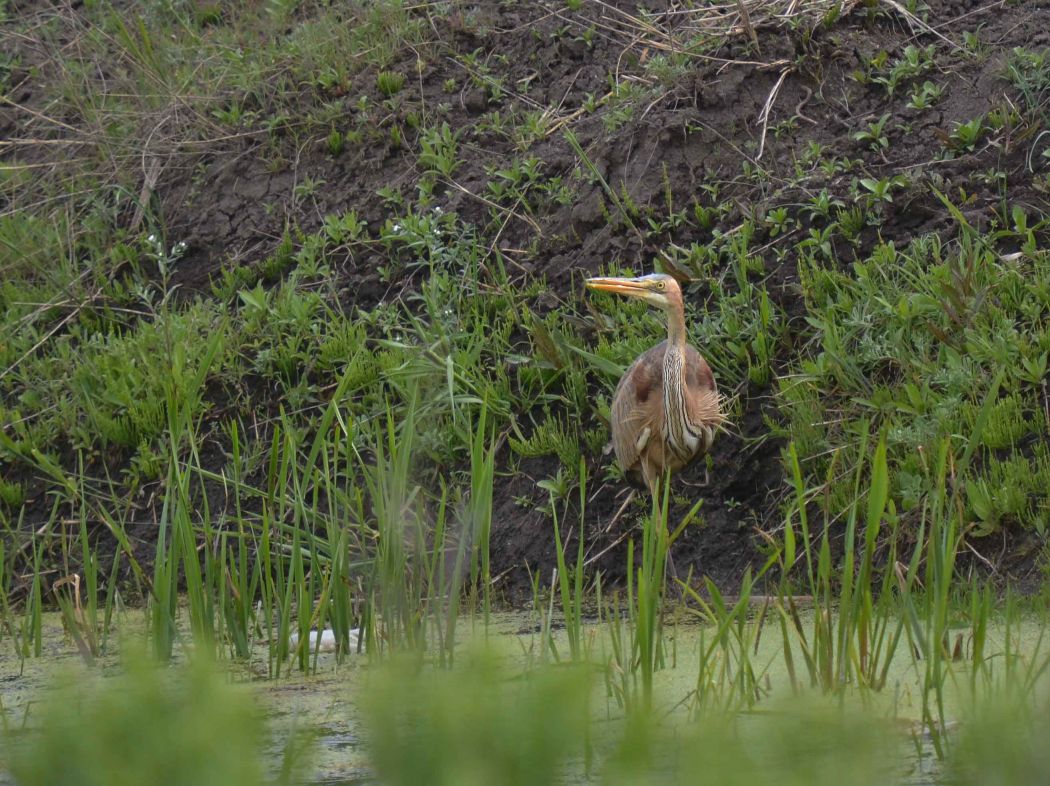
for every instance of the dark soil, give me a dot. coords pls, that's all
(232, 202)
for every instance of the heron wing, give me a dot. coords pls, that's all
(698, 375)
(701, 394)
(637, 406)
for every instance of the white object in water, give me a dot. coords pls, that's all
(327, 637)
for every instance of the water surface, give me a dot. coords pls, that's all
(323, 707)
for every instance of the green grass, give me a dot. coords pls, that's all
(915, 342)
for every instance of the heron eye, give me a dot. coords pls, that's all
(660, 284)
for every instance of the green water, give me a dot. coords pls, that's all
(323, 708)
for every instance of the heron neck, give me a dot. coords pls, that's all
(678, 433)
(676, 328)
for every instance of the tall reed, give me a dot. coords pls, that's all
(645, 597)
(854, 633)
(570, 582)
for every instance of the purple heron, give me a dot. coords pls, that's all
(666, 407)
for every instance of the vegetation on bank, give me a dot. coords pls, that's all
(114, 376)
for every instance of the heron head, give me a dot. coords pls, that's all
(657, 289)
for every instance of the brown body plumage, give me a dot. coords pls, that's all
(666, 407)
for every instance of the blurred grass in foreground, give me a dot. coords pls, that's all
(487, 721)
(483, 724)
(148, 725)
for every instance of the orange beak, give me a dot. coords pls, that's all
(622, 286)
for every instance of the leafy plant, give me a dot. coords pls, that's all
(925, 96)
(882, 189)
(966, 135)
(912, 63)
(455, 729)
(439, 147)
(875, 134)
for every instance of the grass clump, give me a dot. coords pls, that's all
(112, 387)
(390, 82)
(1029, 71)
(147, 725)
(477, 724)
(1003, 743)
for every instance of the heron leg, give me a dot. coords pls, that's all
(659, 482)
(672, 574)
(651, 477)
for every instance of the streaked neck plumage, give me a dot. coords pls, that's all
(681, 436)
